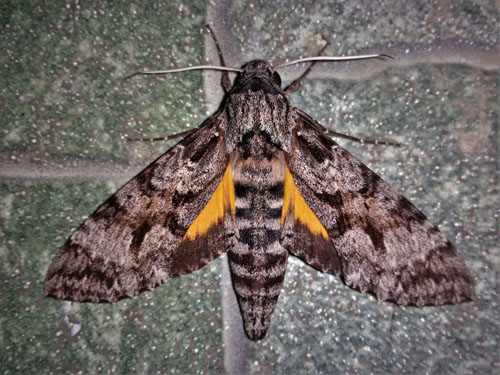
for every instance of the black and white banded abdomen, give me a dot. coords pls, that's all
(257, 260)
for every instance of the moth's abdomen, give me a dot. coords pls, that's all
(257, 260)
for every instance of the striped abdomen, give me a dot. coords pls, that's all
(257, 260)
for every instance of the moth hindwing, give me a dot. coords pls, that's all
(259, 180)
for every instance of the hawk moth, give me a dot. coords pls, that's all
(259, 179)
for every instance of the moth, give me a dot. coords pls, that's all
(259, 180)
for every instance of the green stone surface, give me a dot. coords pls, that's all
(65, 114)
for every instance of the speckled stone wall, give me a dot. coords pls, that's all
(65, 112)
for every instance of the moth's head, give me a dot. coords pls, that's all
(258, 75)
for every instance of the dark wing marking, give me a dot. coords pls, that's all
(385, 245)
(132, 243)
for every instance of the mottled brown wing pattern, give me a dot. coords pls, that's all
(385, 245)
(134, 241)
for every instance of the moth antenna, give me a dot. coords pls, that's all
(196, 67)
(335, 58)
(295, 85)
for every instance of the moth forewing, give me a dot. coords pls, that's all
(385, 245)
(134, 240)
(259, 179)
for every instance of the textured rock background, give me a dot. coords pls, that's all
(64, 113)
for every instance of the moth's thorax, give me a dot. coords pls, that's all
(259, 115)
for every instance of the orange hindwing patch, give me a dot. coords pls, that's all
(294, 201)
(222, 200)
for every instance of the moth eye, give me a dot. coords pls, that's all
(277, 78)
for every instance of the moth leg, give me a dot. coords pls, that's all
(362, 141)
(320, 128)
(295, 85)
(225, 81)
(168, 137)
